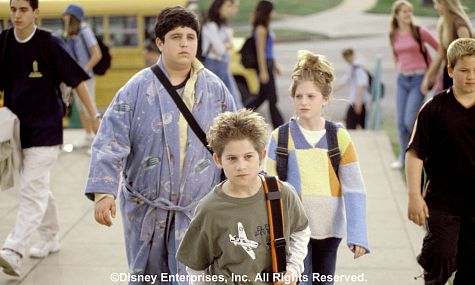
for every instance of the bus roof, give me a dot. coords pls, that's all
(55, 8)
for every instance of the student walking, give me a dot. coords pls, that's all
(408, 43)
(146, 141)
(31, 68)
(267, 66)
(215, 243)
(318, 158)
(217, 43)
(443, 142)
(82, 45)
(357, 79)
(453, 24)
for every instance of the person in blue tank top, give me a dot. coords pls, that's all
(266, 61)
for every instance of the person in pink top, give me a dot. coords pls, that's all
(412, 59)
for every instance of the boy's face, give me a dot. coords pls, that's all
(179, 47)
(463, 75)
(22, 14)
(308, 101)
(349, 58)
(240, 161)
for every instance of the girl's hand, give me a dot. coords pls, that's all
(263, 77)
(277, 69)
(358, 250)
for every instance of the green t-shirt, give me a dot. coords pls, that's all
(215, 241)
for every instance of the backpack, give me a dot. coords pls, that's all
(249, 54)
(282, 151)
(105, 62)
(371, 84)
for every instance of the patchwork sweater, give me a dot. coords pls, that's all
(335, 207)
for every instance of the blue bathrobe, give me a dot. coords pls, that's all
(137, 151)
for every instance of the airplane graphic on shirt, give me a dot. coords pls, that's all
(241, 239)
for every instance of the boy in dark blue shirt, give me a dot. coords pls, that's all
(29, 76)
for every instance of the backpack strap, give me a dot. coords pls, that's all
(276, 222)
(332, 141)
(422, 48)
(200, 134)
(282, 151)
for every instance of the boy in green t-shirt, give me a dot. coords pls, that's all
(228, 239)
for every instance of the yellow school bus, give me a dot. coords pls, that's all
(123, 25)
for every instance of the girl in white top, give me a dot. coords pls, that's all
(217, 43)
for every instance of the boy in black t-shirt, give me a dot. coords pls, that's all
(29, 76)
(443, 141)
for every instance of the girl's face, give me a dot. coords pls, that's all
(404, 15)
(439, 6)
(308, 101)
(226, 10)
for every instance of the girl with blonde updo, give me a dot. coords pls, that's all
(329, 197)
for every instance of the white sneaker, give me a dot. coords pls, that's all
(397, 165)
(44, 247)
(11, 262)
(84, 143)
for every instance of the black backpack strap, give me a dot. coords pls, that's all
(422, 48)
(181, 106)
(332, 141)
(183, 109)
(276, 223)
(282, 151)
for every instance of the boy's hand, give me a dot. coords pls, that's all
(417, 210)
(104, 210)
(358, 250)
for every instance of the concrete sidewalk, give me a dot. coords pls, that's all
(91, 253)
(347, 20)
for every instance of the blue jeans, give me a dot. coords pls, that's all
(221, 69)
(321, 259)
(409, 100)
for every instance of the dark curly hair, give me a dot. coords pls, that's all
(174, 17)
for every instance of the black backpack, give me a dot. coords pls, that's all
(371, 82)
(105, 62)
(249, 54)
(282, 151)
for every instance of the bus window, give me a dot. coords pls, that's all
(55, 26)
(123, 31)
(97, 26)
(150, 27)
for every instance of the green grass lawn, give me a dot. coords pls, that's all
(283, 7)
(384, 7)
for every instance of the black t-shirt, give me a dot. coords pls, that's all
(30, 86)
(444, 138)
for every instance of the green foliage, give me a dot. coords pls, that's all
(384, 7)
(283, 7)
